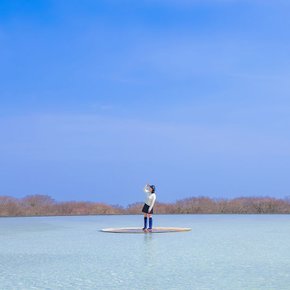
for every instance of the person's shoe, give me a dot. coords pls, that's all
(150, 230)
(144, 230)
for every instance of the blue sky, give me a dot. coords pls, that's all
(98, 98)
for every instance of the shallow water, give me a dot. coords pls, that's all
(221, 252)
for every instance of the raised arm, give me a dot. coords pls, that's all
(147, 188)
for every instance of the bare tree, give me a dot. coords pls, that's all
(35, 205)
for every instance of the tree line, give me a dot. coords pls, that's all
(44, 205)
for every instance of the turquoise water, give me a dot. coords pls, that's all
(221, 252)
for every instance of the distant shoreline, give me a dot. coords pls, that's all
(161, 214)
(44, 205)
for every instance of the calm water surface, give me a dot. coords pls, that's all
(221, 252)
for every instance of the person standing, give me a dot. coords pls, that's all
(148, 206)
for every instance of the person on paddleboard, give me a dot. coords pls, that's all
(148, 206)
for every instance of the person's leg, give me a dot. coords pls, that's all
(150, 222)
(145, 221)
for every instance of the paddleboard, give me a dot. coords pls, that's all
(140, 231)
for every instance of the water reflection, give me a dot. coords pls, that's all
(148, 237)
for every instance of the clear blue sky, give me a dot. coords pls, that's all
(98, 98)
